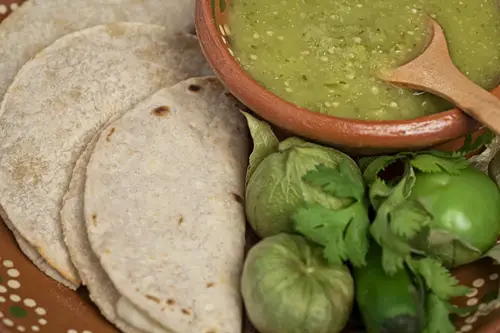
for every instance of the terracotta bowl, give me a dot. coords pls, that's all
(32, 302)
(355, 136)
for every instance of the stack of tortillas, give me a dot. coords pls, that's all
(122, 164)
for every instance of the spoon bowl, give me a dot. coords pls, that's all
(434, 72)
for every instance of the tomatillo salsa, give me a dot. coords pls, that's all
(324, 55)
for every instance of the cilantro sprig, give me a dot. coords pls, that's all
(342, 232)
(399, 220)
(402, 222)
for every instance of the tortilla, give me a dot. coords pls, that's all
(101, 290)
(57, 103)
(38, 23)
(163, 207)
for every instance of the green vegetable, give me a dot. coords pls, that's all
(439, 208)
(389, 304)
(438, 213)
(343, 232)
(414, 299)
(280, 185)
(288, 287)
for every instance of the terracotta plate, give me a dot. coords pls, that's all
(32, 302)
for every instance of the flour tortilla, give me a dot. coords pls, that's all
(163, 207)
(57, 103)
(38, 23)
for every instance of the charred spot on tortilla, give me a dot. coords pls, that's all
(181, 219)
(170, 301)
(237, 198)
(210, 284)
(153, 298)
(194, 88)
(94, 219)
(110, 133)
(212, 331)
(187, 312)
(161, 111)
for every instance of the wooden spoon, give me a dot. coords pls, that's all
(433, 71)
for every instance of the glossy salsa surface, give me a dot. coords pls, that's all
(324, 55)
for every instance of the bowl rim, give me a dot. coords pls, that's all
(391, 135)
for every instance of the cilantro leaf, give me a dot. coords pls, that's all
(480, 142)
(356, 240)
(342, 232)
(392, 262)
(437, 278)
(409, 218)
(323, 226)
(310, 220)
(431, 163)
(379, 192)
(372, 167)
(438, 318)
(395, 247)
(342, 182)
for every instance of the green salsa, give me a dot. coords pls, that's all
(324, 55)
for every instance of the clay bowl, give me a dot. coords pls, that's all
(354, 136)
(32, 302)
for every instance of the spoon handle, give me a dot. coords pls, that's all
(475, 101)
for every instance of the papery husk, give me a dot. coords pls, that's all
(483, 160)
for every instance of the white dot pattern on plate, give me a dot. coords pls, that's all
(465, 314)
(466, 328)
(472, 301)
(14, 6)
(86, 331)
(40, 311)
(473, 292)
(72, 331)
(3, 9)
(13, 284)
(470, 320)
(1, 314)
(478, 283)
(493, 277)
(12, 272)
(8, 322)
(8, 263)
(29, 302)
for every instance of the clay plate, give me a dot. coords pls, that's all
(32, 302)
(354, 136)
